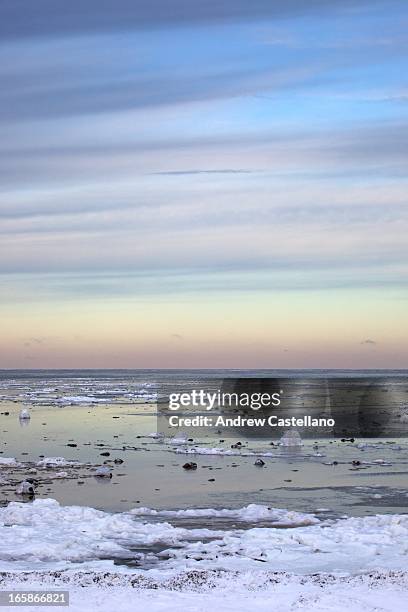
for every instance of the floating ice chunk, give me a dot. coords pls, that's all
(205, 450)
(25, 488)
(61, 475)
(291, 438)
(180, 438)
(24, 414)
(9, 462)
(56, 462)
(251, 514)
(103, 472)
(78, 399)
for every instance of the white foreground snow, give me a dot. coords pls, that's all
(354, 564)
(44, 534)
(250, 593)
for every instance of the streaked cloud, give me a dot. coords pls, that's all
(229, 174)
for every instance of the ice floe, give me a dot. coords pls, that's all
(291, 438)
(8, 462)
(57, 462)
(205, 450)
(250, 513)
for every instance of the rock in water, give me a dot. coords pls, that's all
(25, 488)
(190, 466)
(259, 462)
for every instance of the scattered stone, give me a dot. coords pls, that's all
(259, 462)
(118, 461)
(25, 488)
(106, 454)
(190, 465)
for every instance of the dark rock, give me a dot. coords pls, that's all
(259, 462)
(190, 465)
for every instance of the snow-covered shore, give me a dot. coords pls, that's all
(138, 559)
(197, 591)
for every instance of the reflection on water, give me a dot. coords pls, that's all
(149, 473)
(95, 418)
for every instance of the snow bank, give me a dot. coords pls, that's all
(32, 534)
(351, 545)
(43, 534)
(192, 592)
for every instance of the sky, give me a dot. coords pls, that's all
(203, 184)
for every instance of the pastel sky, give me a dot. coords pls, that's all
(203, 184)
